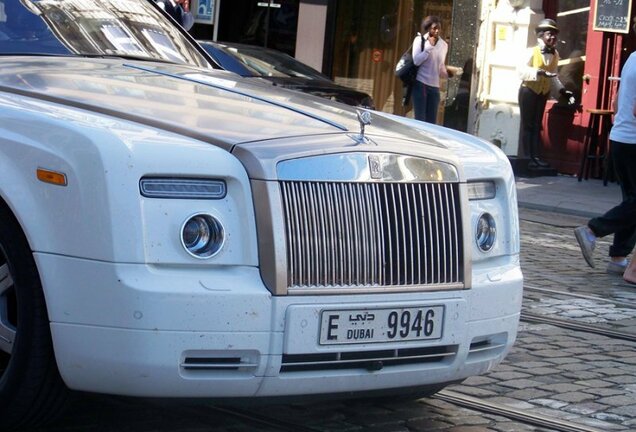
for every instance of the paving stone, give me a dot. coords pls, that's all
(579, 350)
(604, 392)
(470, 420)
(563, 388)
(610, 371)
(627, 410)
(426, 424)
(387, 428)
(550, 403)
(533, 365)
(508, 375)
(582, 375)
(478, 380)
(609, 417)
(593, 357)
(577, 314)
(573, 396)
(594, 383)
(585, 408)
(564, 360)
(469, 429)
(617, 400)
(609, 364)
(549, 354)
(542, 371)
(622, 379)
(577, 367)
(527, 394)
(520, 383)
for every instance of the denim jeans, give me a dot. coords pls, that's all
(620, 220)
(425, 102)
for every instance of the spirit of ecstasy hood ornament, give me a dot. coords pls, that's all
(364, 117)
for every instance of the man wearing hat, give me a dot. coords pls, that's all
(538, 72)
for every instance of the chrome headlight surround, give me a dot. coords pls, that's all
(202, 236)
(485, 232)
(182, 188)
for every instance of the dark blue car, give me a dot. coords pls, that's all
(282, 70)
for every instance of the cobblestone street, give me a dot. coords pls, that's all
(579, 377)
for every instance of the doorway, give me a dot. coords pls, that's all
(267, 23)
(371, 35)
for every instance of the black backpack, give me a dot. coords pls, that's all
(405, 69)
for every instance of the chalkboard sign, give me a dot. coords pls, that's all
(612, 15)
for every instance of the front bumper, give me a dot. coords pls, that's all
(171, 332)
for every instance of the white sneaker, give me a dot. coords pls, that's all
(618, 268)
(587, 243)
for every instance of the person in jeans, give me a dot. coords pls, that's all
(430, 61)
(619, 220)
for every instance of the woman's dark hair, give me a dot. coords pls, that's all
(429, 21)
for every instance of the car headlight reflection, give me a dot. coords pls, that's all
(486, 232)
(202, 236)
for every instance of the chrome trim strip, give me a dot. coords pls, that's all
(354, 167)
(374, 289)
(362, 360)
(273, 245)
(417, 239)
(486, 348)
(467, 234)
(435, 199)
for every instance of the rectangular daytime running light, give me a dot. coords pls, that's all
(481, 190)
(182, 188)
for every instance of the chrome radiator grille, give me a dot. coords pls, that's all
(372, 234)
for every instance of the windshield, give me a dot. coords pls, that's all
(120, 28)
(271, 63)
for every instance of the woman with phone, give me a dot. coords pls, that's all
(429, 54)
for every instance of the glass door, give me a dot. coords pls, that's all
(267, 23)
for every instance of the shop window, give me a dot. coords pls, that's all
(371, 35)
(572, 18)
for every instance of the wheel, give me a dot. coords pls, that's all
(31, 390)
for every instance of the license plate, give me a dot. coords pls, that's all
(381, 325)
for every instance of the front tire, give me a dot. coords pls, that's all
(31, 390)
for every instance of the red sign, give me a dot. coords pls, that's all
(377, 55)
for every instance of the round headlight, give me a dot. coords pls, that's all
(486, 232)
(202, 236)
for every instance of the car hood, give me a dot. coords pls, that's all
(217, 107)
(214, 106)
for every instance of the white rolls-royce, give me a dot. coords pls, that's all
(168, 229)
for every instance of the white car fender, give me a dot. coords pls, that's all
(100, 213)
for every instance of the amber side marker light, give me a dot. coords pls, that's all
(53, 177)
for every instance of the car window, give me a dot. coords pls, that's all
(122, 28)
(281, 63)
(271, 63)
